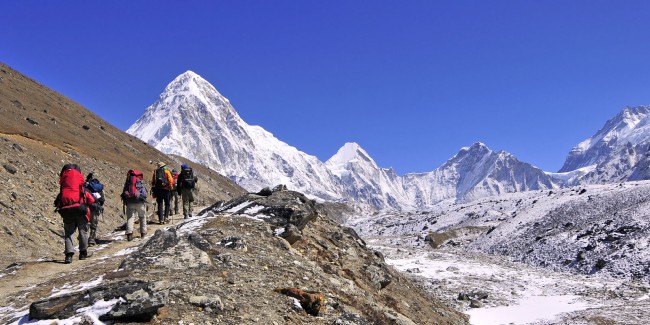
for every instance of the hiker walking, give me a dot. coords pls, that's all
(161, 184)
(174, 190)
(96, 189)
(72, 204)
(186, 184)
(134, 197)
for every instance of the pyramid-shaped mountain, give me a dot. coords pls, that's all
(192, 119)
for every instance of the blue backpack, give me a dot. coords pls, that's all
(94, 186)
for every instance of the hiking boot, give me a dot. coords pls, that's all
(185, 216)
(68, 258)
(190, 215)
(143, 234)
(84, 255)
(129, 237)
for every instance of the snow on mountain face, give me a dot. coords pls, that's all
(475, 172)
(193, 120)
(364, 180)
(614, 149)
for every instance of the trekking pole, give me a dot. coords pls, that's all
(123, 210)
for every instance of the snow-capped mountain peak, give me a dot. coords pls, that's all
(190, 83)
(631, 125)
(476, 147)
(349, 152)
(192, 119)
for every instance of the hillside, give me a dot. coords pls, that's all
(276, 258)
(40, 131)
(582, 252)
(595, 229)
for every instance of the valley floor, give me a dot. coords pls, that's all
(515, 293)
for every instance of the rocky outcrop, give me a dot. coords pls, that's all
(232, 265)
(124, 301)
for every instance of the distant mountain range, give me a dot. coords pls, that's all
(192, 119)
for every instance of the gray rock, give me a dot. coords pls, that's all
(452, 269)
(291, 234)
(280, 208)
(140, 302)
(213, 302)
(279, 188)
(167, 250)
(234, 242)
(265, 192)
(198, 241)
(378, 275)
(11, 169)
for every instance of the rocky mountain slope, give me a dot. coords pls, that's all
(595, 229)
(275, 258)
(40, 131)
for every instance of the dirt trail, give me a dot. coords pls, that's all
(22, 282)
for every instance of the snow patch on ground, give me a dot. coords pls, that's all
(527, 310)
(68, 288)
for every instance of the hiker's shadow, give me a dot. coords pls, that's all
(55, 261)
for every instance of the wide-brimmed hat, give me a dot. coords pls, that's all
(161, 164)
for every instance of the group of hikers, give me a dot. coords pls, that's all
(80, 202)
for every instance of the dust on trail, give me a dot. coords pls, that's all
(24, 282)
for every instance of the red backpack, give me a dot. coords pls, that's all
(72, 193)
(134, 189)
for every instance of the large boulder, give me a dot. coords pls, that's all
(132, 300)
(288, 212)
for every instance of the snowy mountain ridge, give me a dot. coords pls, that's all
(205, 128)
(192, 119)
(617, 152)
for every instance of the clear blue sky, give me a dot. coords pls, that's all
(410, 81)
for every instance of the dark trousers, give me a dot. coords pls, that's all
(163, 196)
(73, 220)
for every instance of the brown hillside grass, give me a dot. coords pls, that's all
(40, 131)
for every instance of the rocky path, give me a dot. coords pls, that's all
(22, 282)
